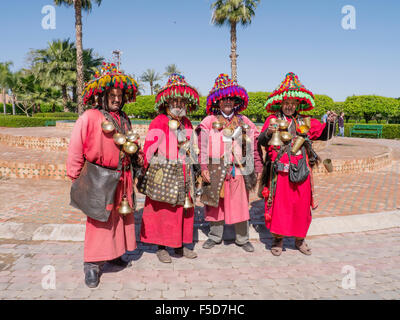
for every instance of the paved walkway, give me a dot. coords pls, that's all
(47, 201)
(344, 266)
(224, 272)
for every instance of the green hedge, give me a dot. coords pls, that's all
(44, 107)
(69, 115)
(389, 131)
(23, 121)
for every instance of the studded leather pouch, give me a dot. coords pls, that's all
(164, 181)
(211, 191)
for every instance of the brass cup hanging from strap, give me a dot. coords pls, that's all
(124, 207)
(107, 126)
(188, 203)
(276, 138)
(297, 144)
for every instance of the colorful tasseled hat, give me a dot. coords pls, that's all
(290, 88)
(109, 77)
(177, 87)
(226, 87)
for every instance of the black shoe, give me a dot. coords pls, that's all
(209, 244)
(248, 247)
(92, 274)
(120, 262)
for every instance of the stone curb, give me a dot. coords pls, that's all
(319, 226)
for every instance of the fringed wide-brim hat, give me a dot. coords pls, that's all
(177, 87)
(225, 87)
(290, 88)
(109, 77)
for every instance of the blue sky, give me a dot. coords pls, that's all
(305, 37)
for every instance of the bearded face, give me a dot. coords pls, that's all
(177, 107)
(114, 99)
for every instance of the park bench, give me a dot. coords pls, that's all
(49, 123)
(374, 129)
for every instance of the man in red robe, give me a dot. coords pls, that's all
(228, 141)
(167, 221)
(289, 193)
(109, 240)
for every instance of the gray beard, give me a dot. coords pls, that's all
(179, 113)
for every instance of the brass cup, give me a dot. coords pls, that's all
(307, 121)
(119, 138)
(107, 126)
(132, 136)
(130, 147)
(188, 203)
(217, 125)
(297, 144)
(227, 132)
(124, 207)
(286, 136)
(304, 128)
(283, 124)
(173, 124)
(328, 165)
(275, 140)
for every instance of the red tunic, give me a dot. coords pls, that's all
(234, 207)
(103, 240)
(162, 223)
(290, 213)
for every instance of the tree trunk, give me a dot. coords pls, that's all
(79, 54)
(151, 88)
(233, 55)
(13, 103)
(74, 94)
(4, 101)
(65, 97)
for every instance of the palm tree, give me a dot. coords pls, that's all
(170, 69)
(151, 77)
(55, 66)
(157, 87)
(79, 5)
(5, 79)
(232, 12)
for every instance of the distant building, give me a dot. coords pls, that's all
(8, 98)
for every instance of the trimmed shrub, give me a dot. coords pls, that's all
(389, 131)
(142, 108)
(69, 115)
(23, 121)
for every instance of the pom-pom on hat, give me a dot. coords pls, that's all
(177, 87)
(225, 87)
(290, 88)
(109, 77)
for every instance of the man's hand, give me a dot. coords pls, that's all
(271, 129)
(206, 176)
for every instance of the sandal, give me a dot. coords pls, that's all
(302, 246)
(277, 246)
